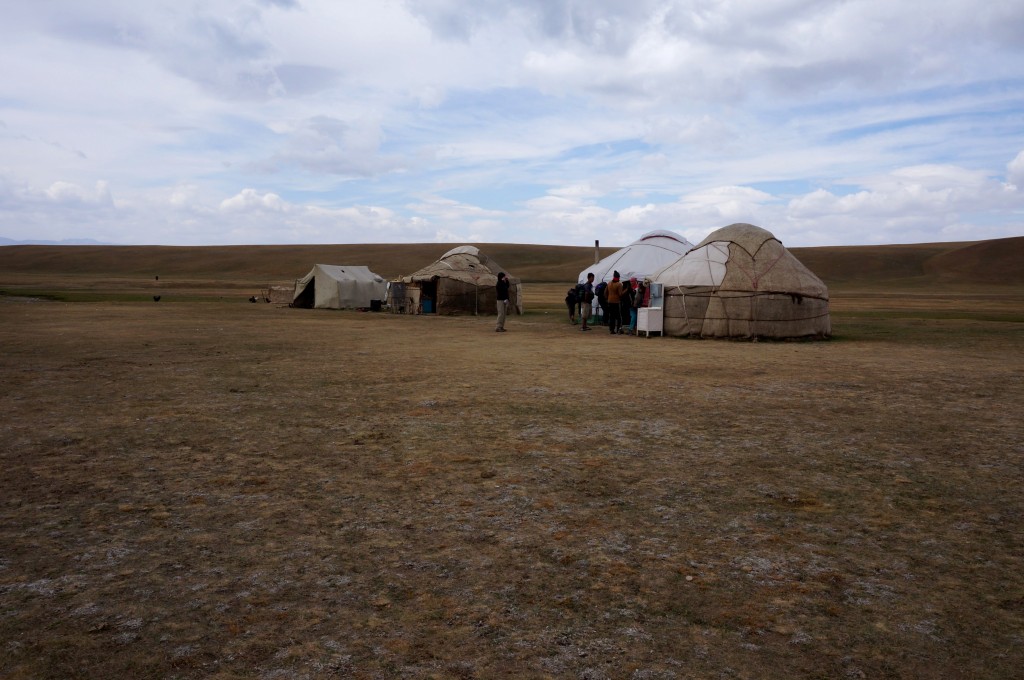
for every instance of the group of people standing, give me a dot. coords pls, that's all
(617, 301)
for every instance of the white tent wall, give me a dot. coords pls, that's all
(340, 287)
(641, 258)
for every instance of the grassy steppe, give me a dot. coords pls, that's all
(985, 266)
(207, 488)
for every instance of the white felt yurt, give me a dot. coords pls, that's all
(641, 258)
(741, 282)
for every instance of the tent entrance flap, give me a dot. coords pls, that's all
(305, 297)
(428, 296)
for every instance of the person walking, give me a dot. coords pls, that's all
(502, 294)
(583, 308)
(613, 294)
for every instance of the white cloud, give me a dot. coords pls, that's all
(1015, 172)
(548, 120)
(250, 199)
(910, 192)
(72, 194)
(576, 191)
(184, 196)
(552, 204)
(919, 203)
(727, 198)
(328, 145)
(703, 131)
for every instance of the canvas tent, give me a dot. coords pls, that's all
(641, 258)
(329, 286)
(462, 281)
(741, 282)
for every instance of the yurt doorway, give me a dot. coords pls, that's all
(428, 296)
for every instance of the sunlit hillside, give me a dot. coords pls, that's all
(966, 265)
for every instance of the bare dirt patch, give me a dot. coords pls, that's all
(234, 490)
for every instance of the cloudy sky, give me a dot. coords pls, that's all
(208, 122)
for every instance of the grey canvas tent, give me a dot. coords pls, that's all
(741, 282)
(329, 286)
(462, 281)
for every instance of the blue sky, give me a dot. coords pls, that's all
(538, 121)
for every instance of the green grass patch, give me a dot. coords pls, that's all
(109, 296)
(934, 314)
(918, 330)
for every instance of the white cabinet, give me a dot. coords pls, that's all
(649, 320)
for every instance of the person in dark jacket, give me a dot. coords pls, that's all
(587, 301)
(502, 294)
(571, 303)
(625, 305)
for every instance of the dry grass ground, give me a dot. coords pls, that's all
(221, 489)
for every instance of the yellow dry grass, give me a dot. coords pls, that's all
(230, 490)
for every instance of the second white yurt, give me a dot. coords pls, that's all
(641, 258)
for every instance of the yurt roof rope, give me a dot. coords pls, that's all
(753, 277)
